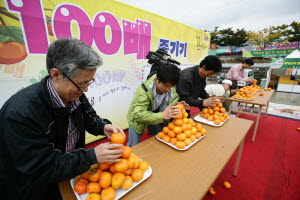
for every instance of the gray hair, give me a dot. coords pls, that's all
(69, 55)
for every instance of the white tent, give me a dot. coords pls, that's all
(294, 54)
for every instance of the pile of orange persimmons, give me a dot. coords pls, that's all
(248, 92)
(103, 179)
(217, 113)
(182, 131)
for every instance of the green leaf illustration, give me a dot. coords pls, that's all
(11, 33)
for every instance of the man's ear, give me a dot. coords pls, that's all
(55, 74)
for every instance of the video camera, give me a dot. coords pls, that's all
(157, 57)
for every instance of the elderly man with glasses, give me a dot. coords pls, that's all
(42, 129)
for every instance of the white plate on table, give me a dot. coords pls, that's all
(245, 99)
(198, 118)
(185, 148)
(119, 192)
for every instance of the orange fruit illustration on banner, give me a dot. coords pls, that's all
(118, 138)
(212, 190)
(12, 52)
(227, 185)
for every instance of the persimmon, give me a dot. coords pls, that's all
(137, 161)
(126, 151)
(210, 118)
(217, 121)
(227, 185)
(198, 127)
(181, 137)
(93, 187)
(128, 172)
(165, 129)
(185, 115)
(193, 138)
(194, 130)
(160, 134)
(184, 127)
(220, 105)
(86, 174)
(178, 116)
(179, 106)
(127, 183)
(80, 187)
(212, 191)
(180, 144)
(83, 180)
(130, 161)
(117, 180)
(95, 174)
(144, 165)
(171, 134)
(210, 111)
(178, 122)
(118, 138)
(177, 129)
(105, 179)
(198, 135)
(204, 110)
(171, 125)
(108, 194)
(137, 175)
(261, 94)
(94, 196)
(173, 140)
(188, 133)
(103, 166)
(203, 131)
(166, 138)
(121, 166)
(222, 110)
(185, 120)
(187, 141)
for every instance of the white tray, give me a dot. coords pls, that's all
(245, 99)
(119, 192)
(185, 148)
(198, 118)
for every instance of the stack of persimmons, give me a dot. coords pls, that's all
(182, 131)
(103, 179)
(217, 113)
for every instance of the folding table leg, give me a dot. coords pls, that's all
(267, 109)
(257, 121)
(237, 162)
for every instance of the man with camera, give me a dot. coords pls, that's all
(192, 82)
(155, 58)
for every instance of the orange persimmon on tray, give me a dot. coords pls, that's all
(182, 132)
(112, 180)
(214, 115)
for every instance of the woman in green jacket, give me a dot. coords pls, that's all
(154, 102)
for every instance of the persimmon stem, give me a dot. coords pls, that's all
(2, 21)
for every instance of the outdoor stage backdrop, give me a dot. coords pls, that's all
(121, 34)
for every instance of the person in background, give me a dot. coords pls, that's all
(154, 103)
(237, 72)
(192, 82)
(224, 90)
(42, 129)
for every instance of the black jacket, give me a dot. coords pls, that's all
(32, 143)
(190, 87)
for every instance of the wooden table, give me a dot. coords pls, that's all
(184, 174)
(260, 101)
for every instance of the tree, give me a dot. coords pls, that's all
(265, 37)
(290, 33)
(229, 37)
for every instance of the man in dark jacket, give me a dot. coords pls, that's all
(42, 129)
(192, 82)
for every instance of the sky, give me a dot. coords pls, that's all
(252, 15)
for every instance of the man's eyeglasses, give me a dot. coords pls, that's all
(78, 87)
